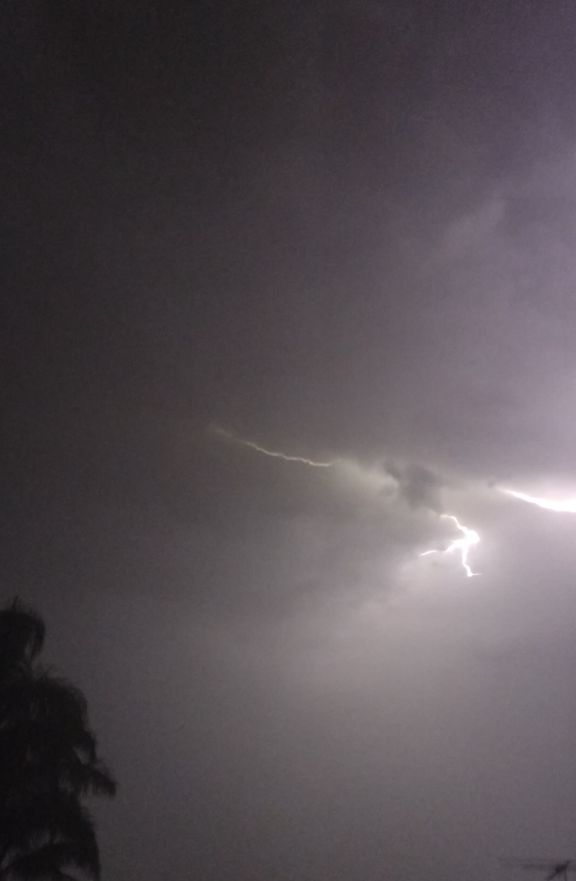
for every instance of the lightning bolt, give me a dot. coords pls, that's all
(562, 506)
(274, 454)
(469, 539)
(463, 545)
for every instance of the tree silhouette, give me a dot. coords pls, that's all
(48, 762)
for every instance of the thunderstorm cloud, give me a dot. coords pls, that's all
(288, 284)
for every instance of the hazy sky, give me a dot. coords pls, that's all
(345, 231)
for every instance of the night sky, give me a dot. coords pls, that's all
(343, 231)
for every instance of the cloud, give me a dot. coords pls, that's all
(470, 234)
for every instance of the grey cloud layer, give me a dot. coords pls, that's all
(370, 256)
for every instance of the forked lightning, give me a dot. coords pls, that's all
(463, 545)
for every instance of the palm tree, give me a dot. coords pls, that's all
(48, 762)
(22, 634)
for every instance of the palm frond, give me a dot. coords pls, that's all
(58, 816)
(48, 862)
(48, 762)
(22, 633)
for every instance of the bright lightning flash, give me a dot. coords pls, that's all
(469, 539)
(274, 454)
(562, 506)
(463, 545)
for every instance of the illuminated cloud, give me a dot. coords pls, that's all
(413, 485)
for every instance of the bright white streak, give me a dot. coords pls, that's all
(562, 506)
(274, 454)
(469, 539)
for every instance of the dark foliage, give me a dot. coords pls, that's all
(48, 762)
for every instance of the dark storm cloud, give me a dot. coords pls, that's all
(321, 528)
(343, 231)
